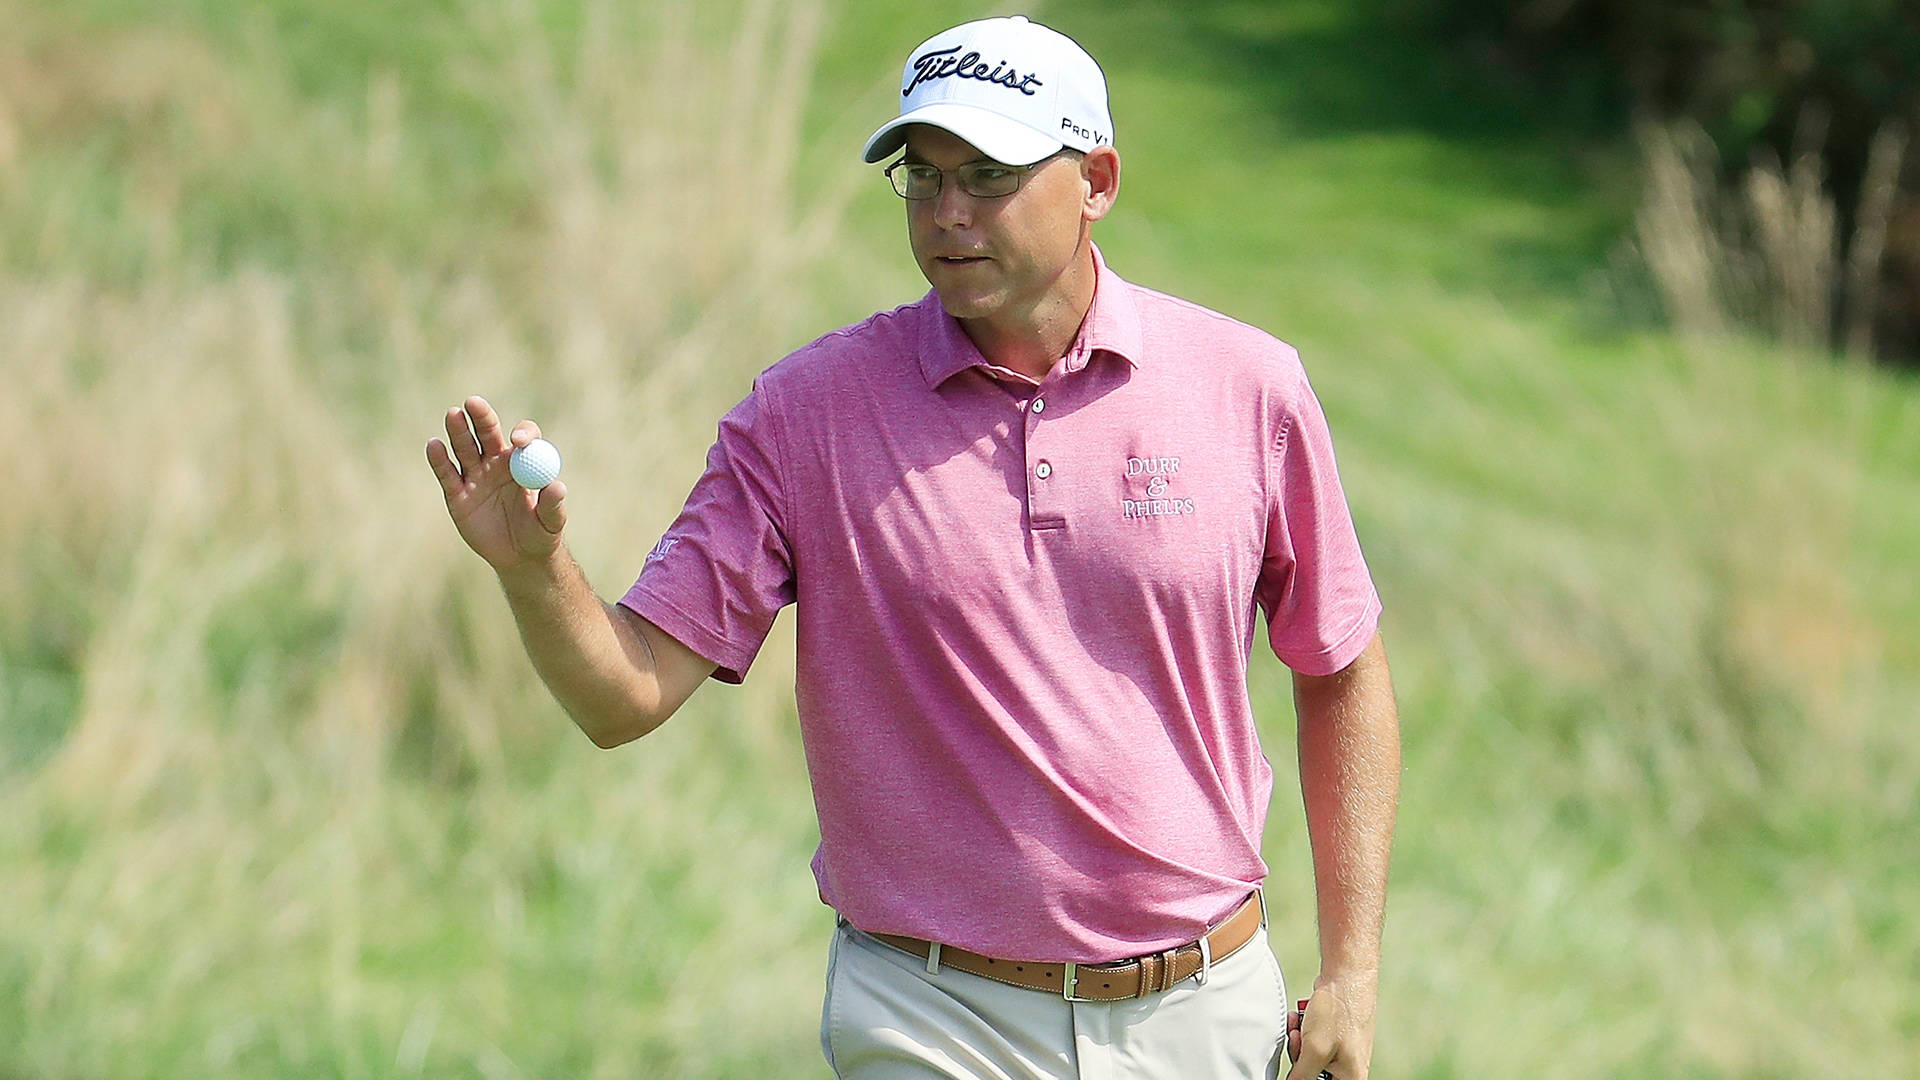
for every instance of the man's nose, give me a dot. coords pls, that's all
(952, 207)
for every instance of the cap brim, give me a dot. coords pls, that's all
(1006, 141)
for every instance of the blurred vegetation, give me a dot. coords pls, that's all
(280, 795)
(1832, 82)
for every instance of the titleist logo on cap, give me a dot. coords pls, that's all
(943, 65)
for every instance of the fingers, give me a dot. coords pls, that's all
(474, 431)
(443, 467)
(475, 436)
(550, 509)
(486, 426)
(466, 449)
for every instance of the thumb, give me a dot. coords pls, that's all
(1310, 1069)
(1309, 1059)
(550, 508)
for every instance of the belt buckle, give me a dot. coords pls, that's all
(1071, 980)
(1072, 976)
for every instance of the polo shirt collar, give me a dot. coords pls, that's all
(1112, 325)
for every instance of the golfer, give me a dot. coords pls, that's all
(1030, 523)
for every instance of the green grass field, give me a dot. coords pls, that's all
(281, 796)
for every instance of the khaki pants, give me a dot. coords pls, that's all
(886, 1018)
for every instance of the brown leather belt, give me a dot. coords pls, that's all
(1117, 981)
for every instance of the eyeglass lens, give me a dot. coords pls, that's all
(982, 180)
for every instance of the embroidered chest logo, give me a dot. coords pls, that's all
(1153, 477)
(659, 552)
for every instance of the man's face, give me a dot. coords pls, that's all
(999, 256)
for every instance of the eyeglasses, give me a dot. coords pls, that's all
(981, 179)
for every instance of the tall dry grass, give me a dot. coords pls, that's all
(206, 436)
(282, 794)
(1769, 258)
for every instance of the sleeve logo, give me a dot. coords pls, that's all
(659, 552)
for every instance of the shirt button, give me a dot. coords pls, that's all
(1043, 470)
(1039, 405)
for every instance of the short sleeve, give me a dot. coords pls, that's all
(724, 569)
(1319, 599)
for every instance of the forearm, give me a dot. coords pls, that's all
(598, 668)
(1350, 782)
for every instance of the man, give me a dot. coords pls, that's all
(1028, 522)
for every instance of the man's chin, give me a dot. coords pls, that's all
(962, 304)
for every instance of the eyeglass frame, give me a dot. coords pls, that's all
(1021, 172)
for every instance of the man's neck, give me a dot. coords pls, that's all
(1030, 341)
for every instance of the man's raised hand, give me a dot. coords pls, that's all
(507, 525)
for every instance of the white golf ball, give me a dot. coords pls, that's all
(535, 465)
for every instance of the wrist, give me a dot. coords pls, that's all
(1350, 957)
(1357, 989)
(536, 574)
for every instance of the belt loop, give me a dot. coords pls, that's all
(1166, 973)
(1260, 894)
(1206, 961)
(933, 958)
(1072, 981)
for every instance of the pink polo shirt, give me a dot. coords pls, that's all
(1026, 612)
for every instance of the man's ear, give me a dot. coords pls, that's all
(1100, 171)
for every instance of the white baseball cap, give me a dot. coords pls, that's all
(1016, 90)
